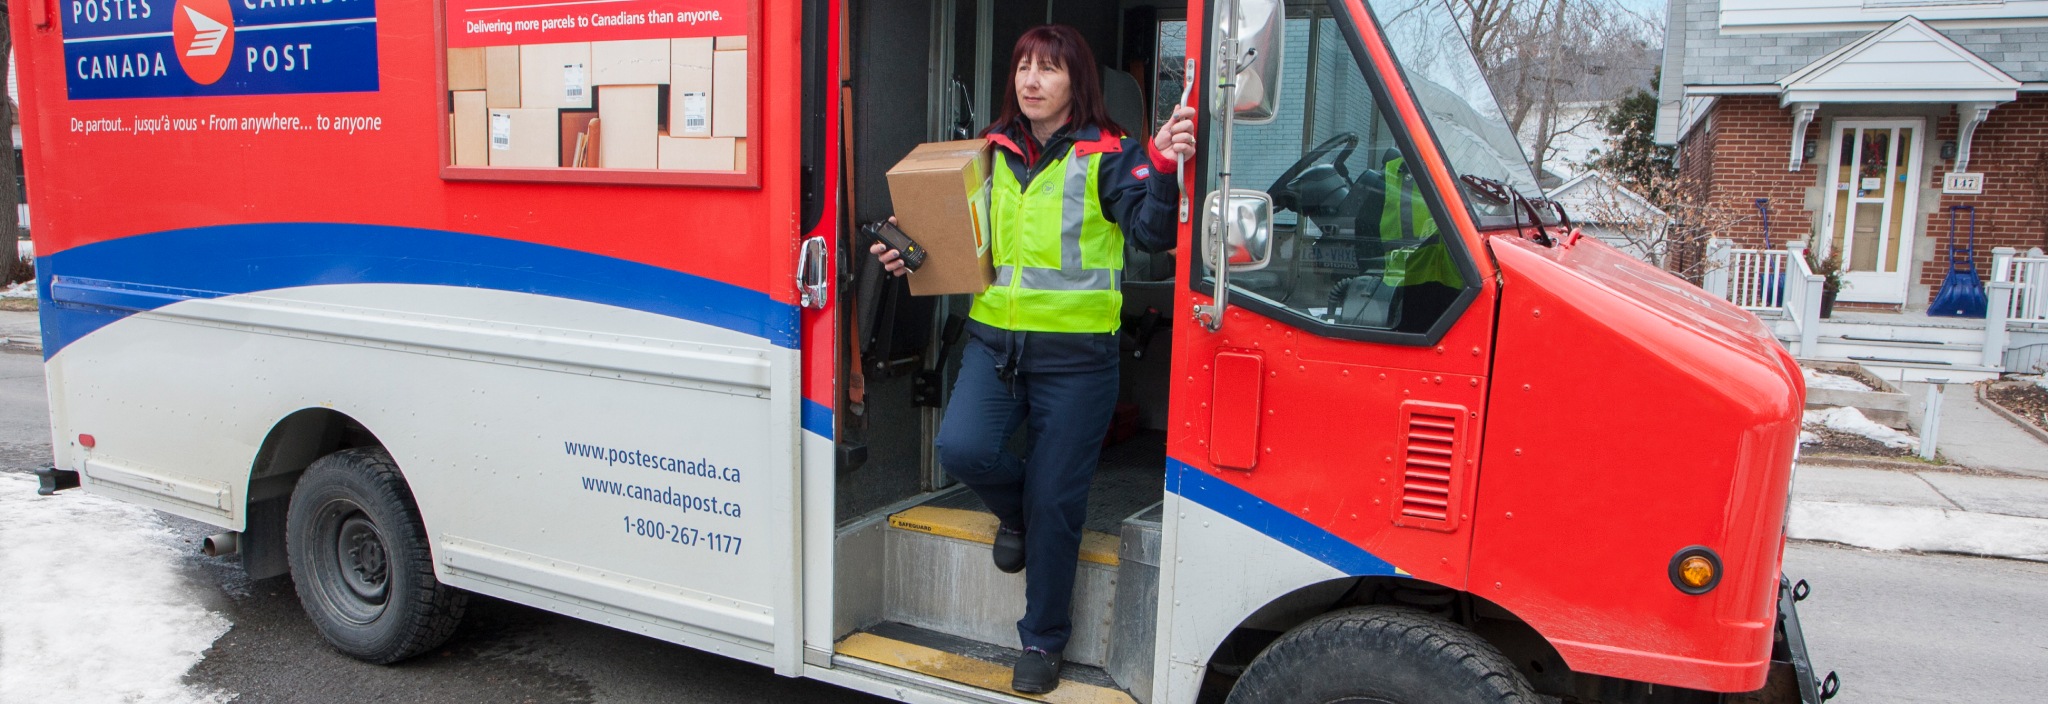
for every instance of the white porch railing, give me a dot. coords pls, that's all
(1768, 280)
(2028, 277)
(1751, 278)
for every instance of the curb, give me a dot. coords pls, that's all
(1985, 400)
(26, 344)
(1920, 529)
(1869, 462)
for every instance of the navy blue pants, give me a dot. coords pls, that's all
(1045, 493)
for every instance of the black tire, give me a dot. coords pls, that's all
(1381, 655)
(361, 561)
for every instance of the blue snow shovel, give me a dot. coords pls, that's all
(1962, 293)
(1771, 282)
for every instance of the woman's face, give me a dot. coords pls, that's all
(1042, 90)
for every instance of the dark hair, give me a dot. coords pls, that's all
(1063, 45)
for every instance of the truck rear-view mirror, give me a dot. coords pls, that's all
(1248, 239)
(1259, 27)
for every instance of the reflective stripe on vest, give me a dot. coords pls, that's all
(1057, 259)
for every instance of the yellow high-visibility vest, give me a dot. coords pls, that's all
(1405, 216)
(1058, 261)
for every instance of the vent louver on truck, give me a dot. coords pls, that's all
(1432, 466)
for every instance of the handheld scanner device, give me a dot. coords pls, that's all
(893, 238)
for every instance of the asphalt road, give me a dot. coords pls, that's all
(1898, 627)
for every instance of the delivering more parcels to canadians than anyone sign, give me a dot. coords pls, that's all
(474, 23)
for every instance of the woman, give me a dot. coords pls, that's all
(1069, 187)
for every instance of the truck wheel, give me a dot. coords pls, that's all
(1381, 655)
(360, 559)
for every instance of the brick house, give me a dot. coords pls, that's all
(1838, 122)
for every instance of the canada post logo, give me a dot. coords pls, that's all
(204, 34)
(154, 49)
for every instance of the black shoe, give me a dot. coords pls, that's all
(1009, 550)
(1037, 672)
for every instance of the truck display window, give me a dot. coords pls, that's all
(629, 91)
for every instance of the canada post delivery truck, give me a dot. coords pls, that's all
(564, 303)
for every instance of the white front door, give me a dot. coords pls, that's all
(1873, 191)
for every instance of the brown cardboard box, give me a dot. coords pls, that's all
(689, 90)
(466, 69)
(729, 93)
(632, 125)
(576, 136)
(733, 43)
(526, 137)
(472, 131)
(554, 75)
(941, 194)
(696, 153)
(629, 62)
(501, 76)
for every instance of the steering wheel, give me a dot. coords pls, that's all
(1282, 189)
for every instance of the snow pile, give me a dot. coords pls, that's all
(1808, 437)
(1834, 382)
(1851, 421)
(2040, 380)
(97, 608)
(25, 289)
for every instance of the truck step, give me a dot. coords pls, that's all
(941, 578)
(980, 527)
(972, 663)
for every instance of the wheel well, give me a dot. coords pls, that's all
(292, 446)
(1529, 650)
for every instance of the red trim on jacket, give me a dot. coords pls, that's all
(1161, 163)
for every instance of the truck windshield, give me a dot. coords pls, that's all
(1429, 44)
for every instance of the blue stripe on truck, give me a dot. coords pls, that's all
(97, 284)
(1274, 522)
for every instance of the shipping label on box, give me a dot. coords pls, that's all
(554, 75)
(689, 91)
(526, 137)
(941, 193)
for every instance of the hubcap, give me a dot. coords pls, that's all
(363, 561)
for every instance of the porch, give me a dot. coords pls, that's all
(1780, 287)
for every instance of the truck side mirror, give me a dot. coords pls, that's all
(1258, 29)
(1248, 246)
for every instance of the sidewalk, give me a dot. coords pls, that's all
(20, 330)
(1974, 436)
(1928, 511)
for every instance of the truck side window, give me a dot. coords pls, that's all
(1357, 244)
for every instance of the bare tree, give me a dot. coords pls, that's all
(1674, 239)
(1550, 62)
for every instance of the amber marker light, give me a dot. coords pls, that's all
(1695, 570)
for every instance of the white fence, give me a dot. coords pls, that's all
(1768, 280)
(1756, 278)
(2028, 276)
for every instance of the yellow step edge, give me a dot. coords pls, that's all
(980, 527)
(968, 671)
